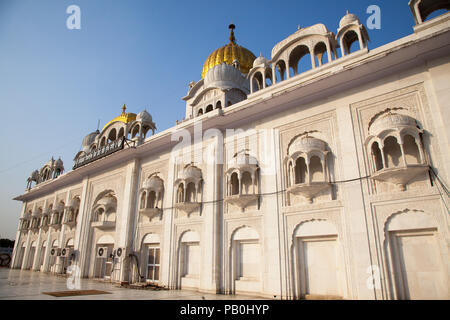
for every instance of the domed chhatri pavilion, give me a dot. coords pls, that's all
(319, 172)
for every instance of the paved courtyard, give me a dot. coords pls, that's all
(28, 285)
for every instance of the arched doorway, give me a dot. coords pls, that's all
(189, 260)
(318, 265)
(31, 255)
(415, 257)
(245, 261)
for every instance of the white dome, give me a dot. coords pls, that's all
(243, 160)
(154, 183)
(260, 61)
(192, 173)
(89, 139)
(389, 121)
(349, 18)
(224, 76)
(144, 116)
(306, 144)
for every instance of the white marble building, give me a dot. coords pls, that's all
(281, 181)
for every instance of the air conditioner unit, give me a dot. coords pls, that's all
(66, 252)
(121, 253)
(55, 252)
(102, 252)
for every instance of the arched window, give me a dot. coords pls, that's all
(289, 175)
(200, 112)
(257, 82)
(135, 132)
(268, 78)
(377, 158)
(300, 170)
(348, 40)
(234, 184)
(280, 68)
(180, 193)
(121, 134)
(100, 215)
(321, 54)
(392, 152)
(190, 193)
(209, 108)
(411, 149)
(246, 183)
(143, 196)
(219, 105)
(152, 200)
(316, 169)
(300, 59)
(112, 135)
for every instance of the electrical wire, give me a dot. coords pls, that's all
(137, 265)
(444, 187)
(437, 178)
(439, 182)
(270, 193)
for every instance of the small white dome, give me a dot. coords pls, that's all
(306, 144)
(260, 61)
(89, 139)
(192, 173)
(243, 160)
(391, 120)
(224, 76)
(154, 183)
(144, 116)
(349, 18)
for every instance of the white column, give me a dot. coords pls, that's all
(37, 254)
(62, 235)
(17, 243)
(358, 240)
(210, 242)
(28, 241)
(82, 232)
(125, 225)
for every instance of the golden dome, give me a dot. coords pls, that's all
(124, 117)
(228, 54)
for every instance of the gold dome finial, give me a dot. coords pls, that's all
(232, 38)
(124, 108)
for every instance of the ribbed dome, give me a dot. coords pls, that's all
(228, 54)
(89, 139)
(260, 61)
(348, 19)
(225, 77)
(154, 183)
(144, 116)
(390, 120)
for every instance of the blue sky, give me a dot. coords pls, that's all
(56, 83)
